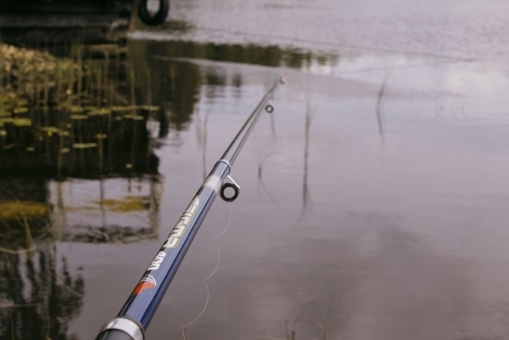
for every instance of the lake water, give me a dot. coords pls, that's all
(373, 200)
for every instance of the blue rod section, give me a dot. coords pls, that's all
(149, 292)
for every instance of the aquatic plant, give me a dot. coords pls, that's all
(60, 112)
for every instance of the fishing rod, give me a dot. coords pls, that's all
(136, 314)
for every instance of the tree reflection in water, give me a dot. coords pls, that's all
(38, 294)
(110, 142)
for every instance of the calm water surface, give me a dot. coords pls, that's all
(374, 199)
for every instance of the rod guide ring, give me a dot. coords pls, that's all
(231, 184)
(269, 107)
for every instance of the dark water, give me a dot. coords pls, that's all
(373, 201)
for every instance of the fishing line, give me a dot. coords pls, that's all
(211, 274)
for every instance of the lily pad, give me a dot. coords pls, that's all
(119, 108)
(77, 109)
(84, 145)
(99, 112)
(79, 117)
(22, 102)
(125, 108)
(22, 122)
(21, 110)
(135, 117)
(52, 129)
(150, 108)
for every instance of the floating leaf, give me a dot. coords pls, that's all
(22, 122)
(120, 108)
(79, 117)
(150, 108)
(52, 129)
(84, 145)
(125, 108)
(21, 110)
(135, 117)
(100, 112)
(22, 102)
(77, 109)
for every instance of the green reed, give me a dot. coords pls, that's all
(68, 105)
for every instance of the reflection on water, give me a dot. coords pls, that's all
(171, 70)
(379, 117)
(77, 141)
(201, 134)
(306, 196)
(78, 156)
(38, 294)
(411, 247)
(73, 116)
(106, 210)
(246, 54)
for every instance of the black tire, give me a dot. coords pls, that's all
(157, 18)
